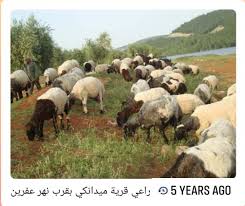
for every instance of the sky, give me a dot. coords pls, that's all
(71, 28)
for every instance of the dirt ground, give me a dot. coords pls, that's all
(32, 152)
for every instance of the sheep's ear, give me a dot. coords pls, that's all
(138, 104)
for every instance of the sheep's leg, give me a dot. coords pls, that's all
(61, 117)
(148, 135)
(41, 130)
(55, 124)
(68, 122)
(84, 101)
(101, 103)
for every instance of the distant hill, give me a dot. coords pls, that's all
(214, 30)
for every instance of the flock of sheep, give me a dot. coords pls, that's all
(157, 98)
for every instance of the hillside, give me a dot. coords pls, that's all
(213, 30)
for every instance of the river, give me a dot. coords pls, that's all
(223, 51)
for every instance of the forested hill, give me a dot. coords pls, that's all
(206, 23)
(213, 30)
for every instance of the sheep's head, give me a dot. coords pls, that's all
(128, 108)
(31, 130)
(181, 88)
(126, 75)
(180, 132)
(135, 64)
(111, 69)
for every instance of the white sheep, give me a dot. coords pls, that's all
(188, 103)
(140, 72)
(50, 104)
(67, 66)
(182, 66)
(194, 69)
(140, 86)
(205, 115)
(124, 70)
(127, 61)
(220, 127)
(88, 87)
(19, 82)
(116, 63)
(101, 68)
(138, 60)
(203, 92)
(149, 68)
(178, 71)
(212, 81)
(175, 76)
(151, 55)
(77, 71)
(168, 68)
(157, 73)
(231, 90)
(50, 74)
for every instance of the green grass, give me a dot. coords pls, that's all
(93, 152)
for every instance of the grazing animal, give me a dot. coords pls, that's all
(205, 115)
(212, 81)
(231, 90)
(102, 68)
(77, 71)
(140, 86)
(50, 104)
(124, 70)
(159, 112)
(132, 105)
(203, 92)
(138, 60)
(140, 72)
(67, 66)
(116, 63)
(215, 157)
(66, 82)
(89, 66)
(88, 87)
(50, 75)
(19, 82)
(182, 66)
(194, 69)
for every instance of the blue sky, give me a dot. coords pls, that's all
(72, 27)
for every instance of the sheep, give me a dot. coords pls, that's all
(188, 103)
(149, 68)
(124, 70)
(66, 82)
(50, 104)
(156, 63)
(231, 90)
(220, 127)
(159, 112)
(151, 56)
(157, 73)
(194, 69)
(203, 92)
(140, 72)
(89, 66)
(205, 115)
(88, 87)
(212, 81)
(176, 76)
(127, 61)
(19, 82)
(138, 60)
(174, 86)
(132, 105)
(185, 68)
(168, 68)
(50, 74)
(116, 63)
(178, 71)
(140, 86)
(67, 66)
(77, 71)
(216, 157)
(102, 68)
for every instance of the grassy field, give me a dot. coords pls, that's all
(93, 148)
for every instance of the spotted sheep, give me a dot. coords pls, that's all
(212, 81)
(133, 104)
(49, 105)
(215, 156)
(88, 87)
(200, 119)
(19, 82)
(140, 72)
(124, 70)
(156, 113)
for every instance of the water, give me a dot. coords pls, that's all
(224, 51)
